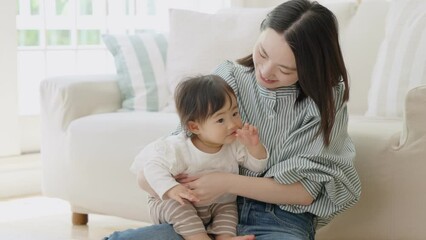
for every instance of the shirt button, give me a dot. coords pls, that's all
(271, 94)
(271, 116)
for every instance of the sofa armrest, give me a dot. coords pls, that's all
(390, 162)
(414, 116)
(64, 99)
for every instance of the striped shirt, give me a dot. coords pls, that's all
(297, 154)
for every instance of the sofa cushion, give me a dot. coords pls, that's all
(401, 60)
(198, 42)
(140, 63)
(103, 146)
(360, 43)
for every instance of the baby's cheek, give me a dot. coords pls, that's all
(240, 123)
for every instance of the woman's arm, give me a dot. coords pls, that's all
(213, 185)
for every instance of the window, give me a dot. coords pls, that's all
(63, 37)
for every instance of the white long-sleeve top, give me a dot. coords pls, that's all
(176, 154)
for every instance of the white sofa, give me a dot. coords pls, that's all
(88, 145)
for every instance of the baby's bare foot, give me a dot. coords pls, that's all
(225, 237)
(246, 237)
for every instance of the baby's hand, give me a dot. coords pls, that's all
(248, 135)
(180, 192)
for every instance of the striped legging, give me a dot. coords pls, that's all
(187, 220)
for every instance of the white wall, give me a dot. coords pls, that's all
(30, 133)
(9, 128)
(261, 4)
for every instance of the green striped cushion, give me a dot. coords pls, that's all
(140, 63)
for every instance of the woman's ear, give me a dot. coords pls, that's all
(193, 127)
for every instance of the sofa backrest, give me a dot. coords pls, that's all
(199, 42)
(360, 42)
(361, 25)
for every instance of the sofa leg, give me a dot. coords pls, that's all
(79, 218)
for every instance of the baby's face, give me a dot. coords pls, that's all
(221, 127)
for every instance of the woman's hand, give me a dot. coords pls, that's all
(208, 187)
(180, 192)
(181, 178)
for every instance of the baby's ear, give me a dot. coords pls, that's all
(193, 127)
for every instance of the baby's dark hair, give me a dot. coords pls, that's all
(198, 98)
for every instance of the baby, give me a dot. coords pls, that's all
(213, 139)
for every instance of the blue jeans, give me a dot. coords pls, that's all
(266, 221)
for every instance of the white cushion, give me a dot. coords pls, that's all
(140, 63)
(198, 42)
(360, 43)
(401, 61)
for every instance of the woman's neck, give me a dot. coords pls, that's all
(205, 146)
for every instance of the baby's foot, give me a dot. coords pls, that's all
(246, 237)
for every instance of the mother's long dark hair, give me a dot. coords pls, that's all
(311, 30)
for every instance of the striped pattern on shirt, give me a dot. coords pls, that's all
(297, 154)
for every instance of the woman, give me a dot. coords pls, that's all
(294, 88)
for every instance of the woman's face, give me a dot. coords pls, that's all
(274, 61)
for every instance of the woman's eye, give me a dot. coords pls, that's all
(220, 120)
(261, 54)
(235, 114)
(285, 73)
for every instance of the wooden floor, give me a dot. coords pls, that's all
(42, 218)
(20, 175)
(27, 215)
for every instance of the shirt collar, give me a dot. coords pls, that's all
(278, 92)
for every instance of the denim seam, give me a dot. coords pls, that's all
(280, 221)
